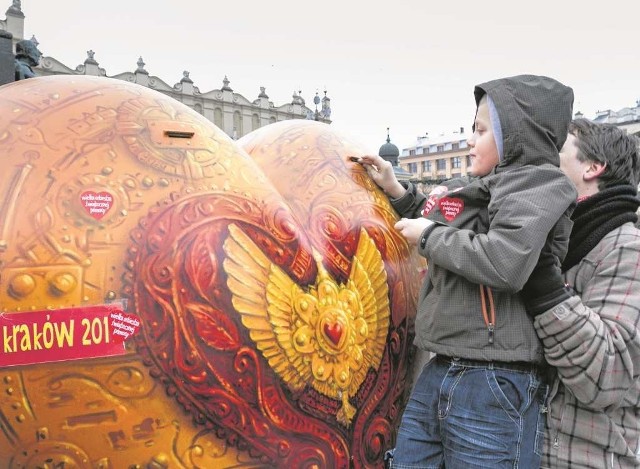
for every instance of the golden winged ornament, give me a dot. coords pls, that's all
(326, 335)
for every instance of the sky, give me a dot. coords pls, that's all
(406, 65)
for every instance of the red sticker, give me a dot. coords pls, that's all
(97, 204)
(450, 207)
(123, 325)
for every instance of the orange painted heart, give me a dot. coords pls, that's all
(450, 207)
(333, 332)
(232, 257)
(280, 291)
(97, 204)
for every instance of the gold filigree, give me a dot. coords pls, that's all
(327, 335)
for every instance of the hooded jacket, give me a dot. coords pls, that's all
(489, 231)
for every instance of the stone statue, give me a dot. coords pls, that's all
(27, 56)
(15, 8)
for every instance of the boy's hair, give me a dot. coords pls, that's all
(611, 146)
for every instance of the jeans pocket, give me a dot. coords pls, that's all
(512, 390)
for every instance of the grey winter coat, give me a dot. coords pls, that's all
(491, 230)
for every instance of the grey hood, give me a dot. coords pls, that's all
(535, 112)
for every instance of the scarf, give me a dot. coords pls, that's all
(596, 216)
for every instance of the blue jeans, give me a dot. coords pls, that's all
(465, 414)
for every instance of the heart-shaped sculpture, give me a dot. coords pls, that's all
(298, 288)
(275, 297)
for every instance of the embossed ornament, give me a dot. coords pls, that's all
(328, 336)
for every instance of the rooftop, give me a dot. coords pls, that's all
(428, 140)
(623, 116)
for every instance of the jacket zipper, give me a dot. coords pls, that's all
(489, 316)
(555, 430)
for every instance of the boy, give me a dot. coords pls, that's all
(477, 403)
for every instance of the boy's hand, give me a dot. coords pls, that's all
(545, 287)
(381, 172)
(412, 228)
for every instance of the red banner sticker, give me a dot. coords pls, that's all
(450, 207)
(434, 195)
(65, 334)
(97, 204)
(428, 206)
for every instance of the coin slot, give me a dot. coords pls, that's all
(179, 134)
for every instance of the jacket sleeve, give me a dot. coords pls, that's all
(525, 205)
(593, 340)
(410, 204)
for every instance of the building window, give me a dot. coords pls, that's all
(217, 118)
(237, 124)
(455, 162)
(440, 148)
(426, 166)
(468, 160)
(425, 151)
(413, 168)
(272, 120)
(455, 146)
(255, 122)
(441, 164)
(412, 152)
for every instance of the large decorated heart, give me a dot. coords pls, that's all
(279, 313)
(275, 297)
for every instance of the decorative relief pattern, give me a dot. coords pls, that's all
(328, 336)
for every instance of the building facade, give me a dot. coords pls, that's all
(434, 159)
(431, 160)
(230, 111)
(627, 118)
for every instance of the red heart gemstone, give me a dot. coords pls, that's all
(333, 332)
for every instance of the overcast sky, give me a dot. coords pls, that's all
(406, 64)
